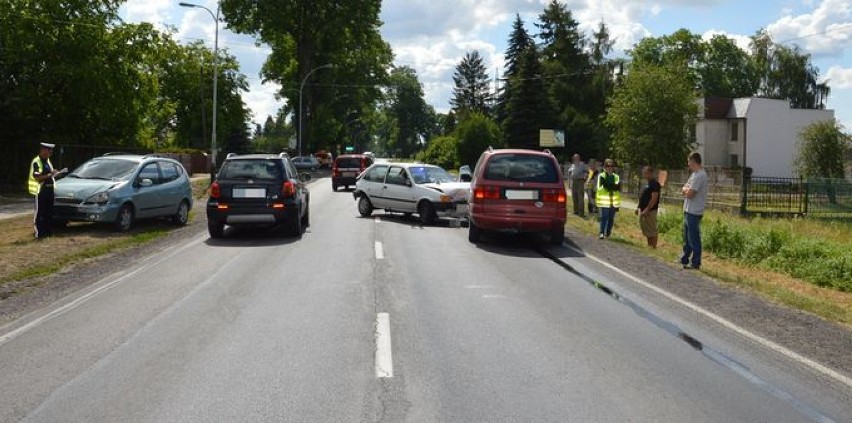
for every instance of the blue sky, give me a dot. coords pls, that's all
(432, 35)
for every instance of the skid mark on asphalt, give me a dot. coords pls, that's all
(712, 354)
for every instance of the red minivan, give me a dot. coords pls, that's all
(518, 191)
(346, 169)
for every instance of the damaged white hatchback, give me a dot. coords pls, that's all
(411, 188)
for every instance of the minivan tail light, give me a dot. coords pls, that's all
(554, 196)
(215, 191)
(289, 189)
(486, 193)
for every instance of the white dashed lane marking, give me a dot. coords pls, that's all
(384, 355)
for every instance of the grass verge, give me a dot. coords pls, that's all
(799, 263)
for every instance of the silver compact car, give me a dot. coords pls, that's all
(120, 189)
(427, 190)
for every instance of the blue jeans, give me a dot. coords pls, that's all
(691, 240)
(607, 219)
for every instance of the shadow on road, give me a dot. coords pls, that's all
(253, 237)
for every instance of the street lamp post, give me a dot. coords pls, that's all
(215, 17)
(301, 88)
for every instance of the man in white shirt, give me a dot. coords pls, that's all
(694, 200)
(578, 172)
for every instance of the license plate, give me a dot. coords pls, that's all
(249, 193)
(350, 174)
(519, 194)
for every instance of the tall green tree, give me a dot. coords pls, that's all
(823, 148)
(472, 90)
(528, 109)
(726, 70)
(305, 35)
(519, 41)
(649, 114)
(413, 120)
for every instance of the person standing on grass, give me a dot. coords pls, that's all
(649, 201)
(694, 200)
(591, 185)
(608, 197)
(40, 185)
(578, 172)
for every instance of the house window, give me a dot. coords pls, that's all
(735, 160)
(735, 131)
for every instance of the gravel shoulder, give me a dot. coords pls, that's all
(826, 342)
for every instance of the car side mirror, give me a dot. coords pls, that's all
(305, 177)
(145, 182)
(408, 183)
(465, 177)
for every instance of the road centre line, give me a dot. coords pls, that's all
(380, 251)
(90, 295)
(792, 355)
(384, 355)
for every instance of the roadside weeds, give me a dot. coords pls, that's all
(827, 303)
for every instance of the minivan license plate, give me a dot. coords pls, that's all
(521, 194)
(249, 192)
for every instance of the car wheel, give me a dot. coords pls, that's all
(473, 233)
(306, 219)
(427, 212)
(296, 227)
(557, 237)
(181, 217)
(334, 187)
(365, 207)
(124, 221)
(216, 229)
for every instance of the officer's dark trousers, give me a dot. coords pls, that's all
(43, 212)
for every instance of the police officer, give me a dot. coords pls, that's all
(41, 180)
(608, 197)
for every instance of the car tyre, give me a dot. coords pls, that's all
(306, 219)
(334, 187)
(124, 220)
(296, 227)
(216, 229)
(473, 233)
(557, 237)
(427, 212)
(181, 217)
(365, 207)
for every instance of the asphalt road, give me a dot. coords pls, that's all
(262, 327)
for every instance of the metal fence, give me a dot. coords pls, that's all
(732, 190)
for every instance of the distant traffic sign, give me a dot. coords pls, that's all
(350, 148)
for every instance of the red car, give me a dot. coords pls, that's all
(518, 191)
(346, 168)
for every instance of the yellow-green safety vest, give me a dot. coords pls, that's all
(605, 197)
(34, 185)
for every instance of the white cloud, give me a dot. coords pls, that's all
(839, 78)
(742, 41)
(826, 31)
(154, 11)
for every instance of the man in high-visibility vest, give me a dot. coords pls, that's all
(608, 197)
(40, 184)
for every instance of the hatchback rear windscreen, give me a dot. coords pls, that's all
(349, 163)
(250, 169)
(521, 168)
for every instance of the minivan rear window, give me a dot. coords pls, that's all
(521, 168)
(349, 162)
(250, 169)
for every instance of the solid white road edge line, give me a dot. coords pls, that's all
(380, 251)
(792, 355)
(88, 296)
(384, 356)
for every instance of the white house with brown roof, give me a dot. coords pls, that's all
(759, 133)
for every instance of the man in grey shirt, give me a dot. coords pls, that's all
(694, 200)
(578, 173)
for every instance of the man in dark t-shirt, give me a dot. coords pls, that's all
(649, 202)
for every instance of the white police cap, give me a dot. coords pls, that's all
(48, 145)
